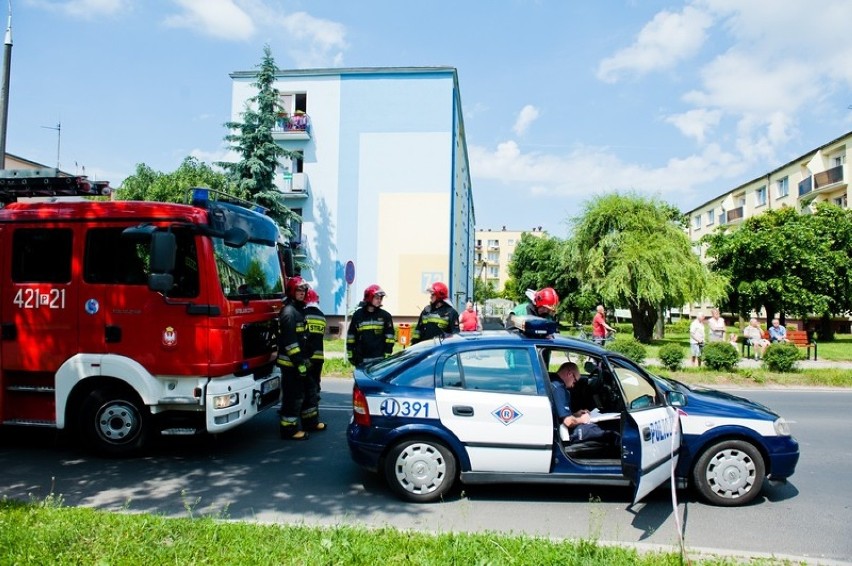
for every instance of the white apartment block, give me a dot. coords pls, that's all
(820, 175)
(494, 250)
(381, 179)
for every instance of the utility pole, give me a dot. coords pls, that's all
(58, 128)
(4, 89)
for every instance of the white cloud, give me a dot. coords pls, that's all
(526, 117)
(84, 9)
(589, 170)
(696, 123)
(221, 19)
(309, 41)
(668, 39)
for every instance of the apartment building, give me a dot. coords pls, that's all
(381, 179)
(820, 175)
(493, 252)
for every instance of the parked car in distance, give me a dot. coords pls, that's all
(478, 408)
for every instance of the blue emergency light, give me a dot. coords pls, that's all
(535, 326)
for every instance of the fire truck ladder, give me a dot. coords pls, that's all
(18, 183)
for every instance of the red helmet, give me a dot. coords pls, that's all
(296, 284)
(546, 297)
(373, 291)
(311, 296)
(439, 289)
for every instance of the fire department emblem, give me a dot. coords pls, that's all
(169, 336)
(507, 414)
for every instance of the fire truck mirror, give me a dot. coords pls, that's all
(163, 252)
(235, 237)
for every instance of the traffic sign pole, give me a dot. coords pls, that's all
(349, 273)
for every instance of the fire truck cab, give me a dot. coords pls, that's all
(123, 319)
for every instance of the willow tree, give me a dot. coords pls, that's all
(632, 251)
(253, 175)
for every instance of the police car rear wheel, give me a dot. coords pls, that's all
(114, 422)
(729, 473)
(420, 470)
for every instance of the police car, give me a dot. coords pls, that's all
(478, 407)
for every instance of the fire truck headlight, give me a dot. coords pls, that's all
(225, 401)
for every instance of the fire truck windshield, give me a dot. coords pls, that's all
(252, 271)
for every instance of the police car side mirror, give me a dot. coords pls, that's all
(676, 398)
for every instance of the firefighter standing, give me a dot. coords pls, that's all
(316, 323)
(299, 396)
(371, 334)
(438, 318)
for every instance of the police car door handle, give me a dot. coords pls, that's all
(462, 411)
(646, 434)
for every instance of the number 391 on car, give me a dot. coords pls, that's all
(479, 408)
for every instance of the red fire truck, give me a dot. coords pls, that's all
(124, 319)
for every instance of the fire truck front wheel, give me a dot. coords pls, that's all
(114, 422)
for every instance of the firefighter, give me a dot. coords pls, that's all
(299, 396)
(316, 324)
(541, 303)
(371, 334)
(438, 318)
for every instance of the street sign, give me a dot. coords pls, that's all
(350, 272)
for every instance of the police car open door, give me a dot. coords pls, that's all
(650, 433)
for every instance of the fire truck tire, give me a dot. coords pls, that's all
(114, 422)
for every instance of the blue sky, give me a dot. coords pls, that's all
(562, 100)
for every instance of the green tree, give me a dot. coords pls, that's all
(632, 251)
(788, 263)
(251, 139)
(147, 184)
(540, 262)
(483, 290)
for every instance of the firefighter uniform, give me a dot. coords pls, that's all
(370, 335)
(299, 396)
(435, 320)
(316, 324)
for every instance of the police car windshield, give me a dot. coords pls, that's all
(382, 368)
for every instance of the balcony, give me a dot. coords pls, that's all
(805, 186)
(293, 128)
(734, 215)
(828, 179)
(295, 186)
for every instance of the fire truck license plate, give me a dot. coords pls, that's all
(269, 385)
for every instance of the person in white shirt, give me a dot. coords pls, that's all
(717, 327)
(696, 338)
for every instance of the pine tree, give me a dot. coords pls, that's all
(253, 176)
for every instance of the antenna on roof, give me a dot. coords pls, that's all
(58, 128)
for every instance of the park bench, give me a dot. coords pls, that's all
(796, 337)
(800, 339)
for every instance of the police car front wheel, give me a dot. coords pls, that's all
(729, 473)
(420, 470)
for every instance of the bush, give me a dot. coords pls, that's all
(623, 328)
(630, 347)
(720, 356)
(671, 356)
(679, 327)
(782, 357)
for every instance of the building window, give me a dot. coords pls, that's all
(782, 187)
(760, 196)
(493, 257)
(711, 217)
(723, 217)
(840, 201)
(696, 221)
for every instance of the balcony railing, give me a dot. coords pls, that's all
(828, 177)
(735, 214)
(805, 186)
(296, 185)
(296, 127)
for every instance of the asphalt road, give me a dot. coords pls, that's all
(250, 474)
